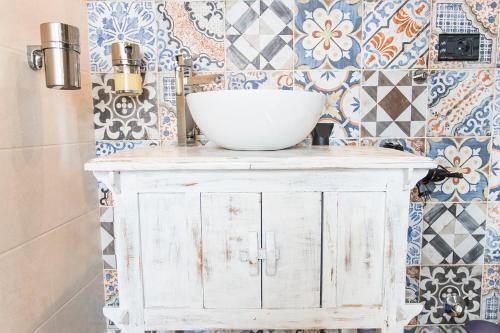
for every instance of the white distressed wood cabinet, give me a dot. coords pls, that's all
(208, 238)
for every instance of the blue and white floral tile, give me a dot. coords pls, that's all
(460, 103)
(414, 235)
(260, 80)
(111, 288)
(107, 237)
(118, 117)
(167, 110)
(194, 28)
(111, 293)
(342, 89)
(495, 123)
(259, 35)
(168, 126)
(466, 16)
(454, 233)
(469, 156)
(412, 284)
(106, 148)
(492, 243)
(328, 34)
(396, 34)
(412, 145)
(437, 282)
(494, 194)
(116, 21)
(490, 306)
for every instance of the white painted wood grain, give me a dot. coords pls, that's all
(359, 225)
(248, 319)
(396, 226)
(128, 254)
(294, 218)
(308, 158)
(329, 180)
(171, 249)
(329, 249)
(227, 220)
(364, 243)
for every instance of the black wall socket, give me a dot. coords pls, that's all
(458, 47)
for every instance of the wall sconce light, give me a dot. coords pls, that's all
(59, 54)
(126, 59)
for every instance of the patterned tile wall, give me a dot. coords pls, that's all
(363, 55)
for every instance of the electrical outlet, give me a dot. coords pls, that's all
(458, 47)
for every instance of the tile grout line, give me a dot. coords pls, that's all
(46, 232)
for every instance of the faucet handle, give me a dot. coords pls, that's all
(194, 56)
(183, 61)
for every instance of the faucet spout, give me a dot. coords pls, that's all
(184, 80)
(204, 79)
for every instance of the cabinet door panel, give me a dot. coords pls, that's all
(171, 249)
(292, 221)
(353, 224)
(231, 229)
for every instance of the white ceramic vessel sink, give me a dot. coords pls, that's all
(256, 119)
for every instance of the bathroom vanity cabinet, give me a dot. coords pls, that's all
(208, 238)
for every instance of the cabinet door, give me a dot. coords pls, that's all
(353, 248)
(231, 269)
(171, 249)
(291, 229)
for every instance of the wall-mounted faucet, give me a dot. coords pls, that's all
(184, 82)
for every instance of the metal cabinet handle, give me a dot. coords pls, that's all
(272, 254)
(252, 255)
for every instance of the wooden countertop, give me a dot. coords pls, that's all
(300, 158)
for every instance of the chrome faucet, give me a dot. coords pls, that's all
(184, 82)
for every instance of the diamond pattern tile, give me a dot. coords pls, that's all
(393, 105)
(453, 234)
(259, 35)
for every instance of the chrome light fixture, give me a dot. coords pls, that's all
(59, 54)
(126, 59)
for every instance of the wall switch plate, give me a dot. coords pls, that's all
(458, 47)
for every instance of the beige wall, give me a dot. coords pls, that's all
(50, 265)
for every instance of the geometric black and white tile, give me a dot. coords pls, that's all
(107, 237)
(119, 117)
(438, 282)
(259, 34)
(453, 234)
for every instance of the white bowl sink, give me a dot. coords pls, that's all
(256, 119)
